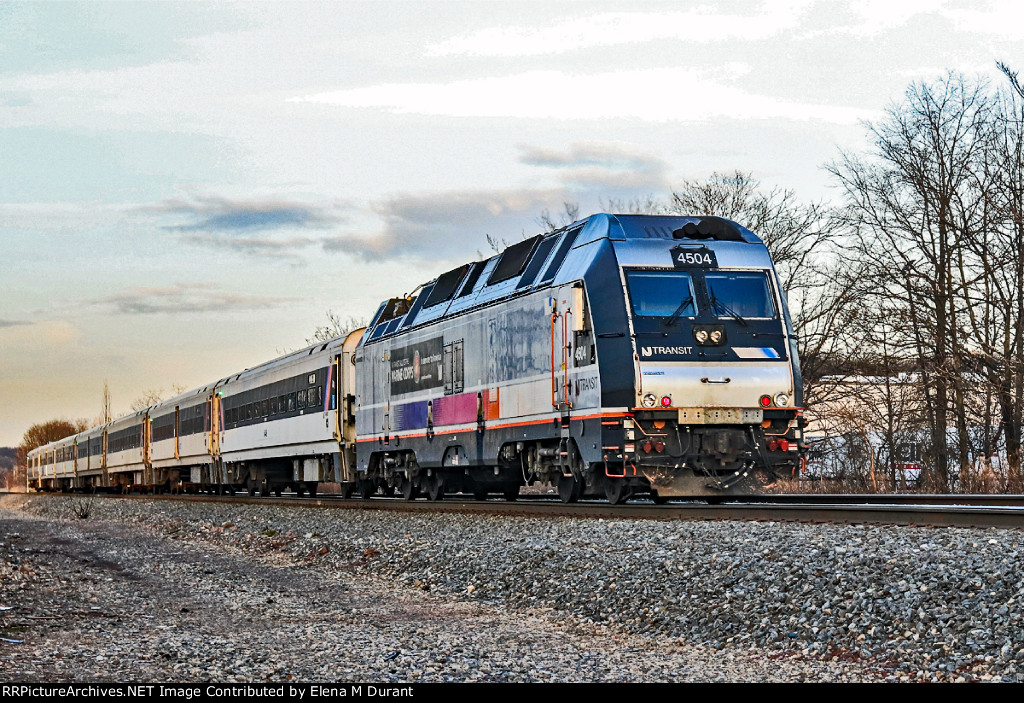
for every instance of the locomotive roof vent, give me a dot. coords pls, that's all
(710, 228)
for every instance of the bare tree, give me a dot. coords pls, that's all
(996, 280)
(793, 231)
(1012, 76)
(495, 244)
(645, 205)
(570, 213)
(336, 327)
(154, 396)
(912, 205)
(105, 415)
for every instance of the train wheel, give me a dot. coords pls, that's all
(569, 489)
(410, 491)
(658, 500)
(366, 488)
(312, 489)
(347, 489)
(616, 490)
(479, 494)
(435, 488)
(251, 486)
(511, 492)
(277, 491)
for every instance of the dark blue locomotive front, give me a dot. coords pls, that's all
(622, 355)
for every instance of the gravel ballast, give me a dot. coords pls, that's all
(194, 591)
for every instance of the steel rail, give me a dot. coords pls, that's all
(972, 499)
(970, 516)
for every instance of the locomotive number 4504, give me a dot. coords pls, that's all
(694, 257)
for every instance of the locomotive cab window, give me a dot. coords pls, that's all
(740, 293)
(662, 293)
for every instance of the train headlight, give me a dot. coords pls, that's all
(716, 336)
(701, 336)
(649, 400)
(666, 401)
(766, 401)
(781, 399)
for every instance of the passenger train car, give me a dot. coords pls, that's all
(622, 355)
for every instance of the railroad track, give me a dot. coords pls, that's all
(910, 510)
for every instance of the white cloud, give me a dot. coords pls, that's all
(613, 28)
(877, 16)
(185, 299)
(606, 165)
(445, 224)
(659, 95)
(997, 18)
(1002, 19)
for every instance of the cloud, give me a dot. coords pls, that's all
(185, 298)
(455, 224)
(676, 94)
(217, 213)
(611, 166)
(252, 245)
(443, 225)
(253, 227)
(15, 99)
(1001, 19)
(4, 324)
(616, 28)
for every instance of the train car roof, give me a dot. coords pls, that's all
(285, 359)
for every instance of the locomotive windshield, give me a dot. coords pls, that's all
(739, 295)
(662, 293)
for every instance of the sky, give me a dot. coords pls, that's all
(186, 189)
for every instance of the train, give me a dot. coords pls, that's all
(620, 356)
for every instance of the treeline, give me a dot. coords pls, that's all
(934, 229)
(36, 436)
(8, 460)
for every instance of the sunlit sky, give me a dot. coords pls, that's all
(186, 189)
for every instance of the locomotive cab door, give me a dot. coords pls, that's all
(560, 315)
(568, 316)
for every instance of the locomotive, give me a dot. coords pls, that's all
(622, 355)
